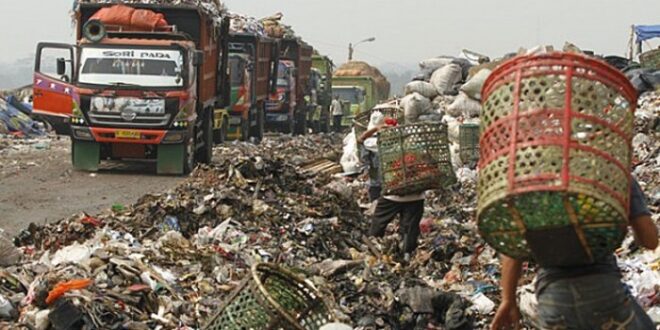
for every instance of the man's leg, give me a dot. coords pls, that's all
(410, 219)
(337, 124)
(374, 193)
(386, 210)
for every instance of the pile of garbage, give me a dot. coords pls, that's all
(447, 89)
(246, 24)
(15, 119)
(274, 27)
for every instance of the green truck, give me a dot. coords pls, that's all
(360, 92)
(322, 68)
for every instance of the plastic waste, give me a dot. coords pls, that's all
(482, 304)
(7, 309)
(64, 287)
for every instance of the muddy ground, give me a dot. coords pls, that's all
(38, 184)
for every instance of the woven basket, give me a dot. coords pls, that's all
(468, 139)
(361, 121)
(415, 158)
(650, 59)
(554, 171)
(273, 298)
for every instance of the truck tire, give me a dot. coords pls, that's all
(245, 129)
(205, 153)
(289, 126)
(260, 128)
(189, 155)
(220, 134)
(301, 123)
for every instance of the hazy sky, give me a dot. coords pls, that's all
(406, 30)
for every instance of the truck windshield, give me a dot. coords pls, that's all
(236, 70)
(141, 67)
(283, 75)
(352, 95)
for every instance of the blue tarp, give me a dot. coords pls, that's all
(12, 121)
(646, 32)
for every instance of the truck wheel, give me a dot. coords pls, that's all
(220, 134)
(205, 154)
(245, 129)
(301, 124)
(189, 155)
(260, 129)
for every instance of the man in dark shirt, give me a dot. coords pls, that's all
(584, 297)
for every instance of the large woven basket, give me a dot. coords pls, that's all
(555, 158)
(468, 142)
(414, 158)
(361, 121)
(272, 298)
(650, 59)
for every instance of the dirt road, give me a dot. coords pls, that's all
(37, 184)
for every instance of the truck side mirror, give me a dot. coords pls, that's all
(61, 66)
(198, 58)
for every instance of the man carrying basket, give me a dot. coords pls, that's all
(409, 208)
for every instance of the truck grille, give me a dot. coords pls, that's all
(141, 120)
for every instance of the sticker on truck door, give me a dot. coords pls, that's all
(55, 98)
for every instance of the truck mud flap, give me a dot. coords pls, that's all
(170, 159)
(86, 155)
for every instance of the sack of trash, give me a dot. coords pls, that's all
(474, 85)
(424, 88)
(350, 160)
(415, 105)
(433, 64)
(446, 77)
(465, 106)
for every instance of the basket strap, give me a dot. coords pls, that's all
(568, 117)
(511, 175)
(576, 226)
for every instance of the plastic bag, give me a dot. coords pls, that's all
(350, 160)
(473, 86)
(465, 106)
(141, 19)
(446, 77)
(64, 287)
(453, 127)
(415, 105)
(424, 88)
(147, 20)
(433, 64)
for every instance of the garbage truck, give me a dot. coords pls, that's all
(142, 82)
(253, 67)
(286, 109)
(321, 117)
(360, 85)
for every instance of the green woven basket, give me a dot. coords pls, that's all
(650, 59)
(468, 139)
(555, 159)
(272, 299)
(415, 158)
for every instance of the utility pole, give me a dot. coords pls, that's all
(351, 47)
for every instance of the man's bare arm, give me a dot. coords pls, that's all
(646, 232)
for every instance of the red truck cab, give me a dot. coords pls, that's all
(147, 95)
